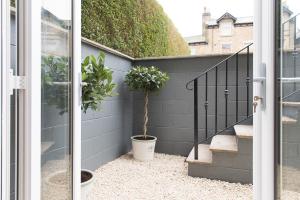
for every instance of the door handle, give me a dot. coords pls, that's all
(254, 106)
(262, 82)
(256, 99)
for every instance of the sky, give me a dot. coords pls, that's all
(187, 14)
(60, 8)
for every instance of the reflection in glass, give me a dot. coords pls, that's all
(290, 68)
(56, 100)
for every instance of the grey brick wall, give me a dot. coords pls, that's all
(171, 109)
(106, 133)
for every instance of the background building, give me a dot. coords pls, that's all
(228, 34)
(224, 35)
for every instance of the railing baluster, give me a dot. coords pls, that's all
(216, 102)
(294, 53)
(248, 82)
(206, 106)
(237, 89)
(196, 118)
(226, 93)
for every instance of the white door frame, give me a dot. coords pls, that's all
(263, 147)
(32, 134)
(76, 150)
(30, 99)
(5, 62)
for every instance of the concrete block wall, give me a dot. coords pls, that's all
(171, 109)
(106, 133)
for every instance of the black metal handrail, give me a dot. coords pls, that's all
(216, 65)
(216, 68)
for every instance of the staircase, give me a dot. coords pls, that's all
(226, 158)
(224, 151)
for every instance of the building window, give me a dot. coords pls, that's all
(226, 46)
(193, 51)
(226, 28)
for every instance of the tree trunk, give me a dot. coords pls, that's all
(145, 114)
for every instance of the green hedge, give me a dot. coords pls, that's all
(139, 28)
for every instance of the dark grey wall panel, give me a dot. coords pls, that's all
(106, 133)
(171, 109)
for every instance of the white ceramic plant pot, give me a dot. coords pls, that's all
(86, 187)
(56, 186)
(143, 149)
(58, 189)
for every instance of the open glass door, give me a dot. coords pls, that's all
(40, 99)
(59, 100)
(288, 105)
(56, 130)
(9, 100)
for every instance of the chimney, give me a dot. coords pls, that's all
(205, 18)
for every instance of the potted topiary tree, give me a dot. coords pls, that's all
(145, 79)
(97, 84)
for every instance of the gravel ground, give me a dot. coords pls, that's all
(164, 178)
(53, 187)
(291, 183)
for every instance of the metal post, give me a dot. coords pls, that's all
(206, 107)
(196, 118)
(237, 89)
(216, 102)
(248, 82)
(226, 93)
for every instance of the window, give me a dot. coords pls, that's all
(226, 46)
(226, 28)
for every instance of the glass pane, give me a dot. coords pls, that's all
(14, 103)
(56, 99)
(290, 100)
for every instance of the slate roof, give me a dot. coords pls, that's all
(238, 20)
(227, 15)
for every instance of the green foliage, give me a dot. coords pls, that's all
(139, 28)
(147, 79)
(55, 82)
(12, 3)
(97, 82)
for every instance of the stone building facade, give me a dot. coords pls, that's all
(227, 34)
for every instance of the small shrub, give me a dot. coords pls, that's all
(97, 82)
(146, 79)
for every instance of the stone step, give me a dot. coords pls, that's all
(46, 146)
(227, 174)
(204, 155)
(291, 104)
(288, 120)
(224, 143)
(244, 131)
